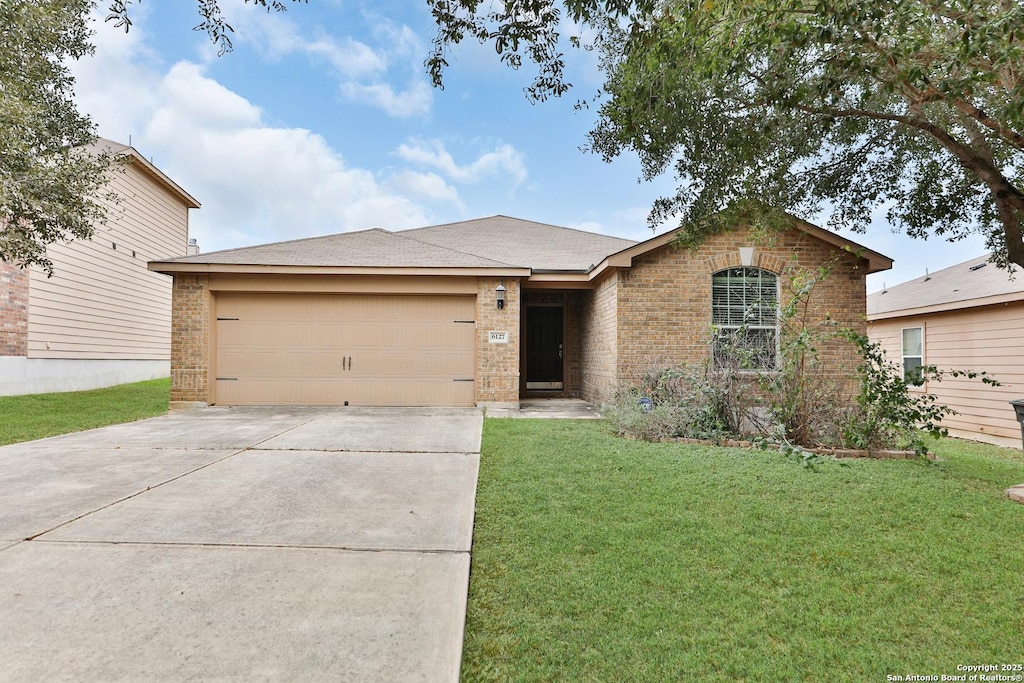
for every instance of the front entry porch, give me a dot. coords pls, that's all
(550, 353)
(550, 408)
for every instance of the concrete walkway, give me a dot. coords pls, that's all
(240, 544)
(549, 408)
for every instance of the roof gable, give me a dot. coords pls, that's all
(134, 157)
(876, 261)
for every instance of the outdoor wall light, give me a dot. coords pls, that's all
(499, 294)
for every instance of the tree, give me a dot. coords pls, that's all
(50, 181)
(212, 19)
(915, 107)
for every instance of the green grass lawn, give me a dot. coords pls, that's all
(23, 418)
(597, 558)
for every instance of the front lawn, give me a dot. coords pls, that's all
(597, 558)
(34, 416)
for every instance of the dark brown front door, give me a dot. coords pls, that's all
(544, 347)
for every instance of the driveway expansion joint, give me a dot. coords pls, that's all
(33, 537)
(283, 546)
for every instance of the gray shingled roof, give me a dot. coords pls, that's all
(953, 287)
(495, 242)
(523, 243)
(370, 248)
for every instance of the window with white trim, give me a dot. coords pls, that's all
(913, 355)
(745, 318)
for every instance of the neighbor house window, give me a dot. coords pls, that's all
(913, 355)
(745, 316)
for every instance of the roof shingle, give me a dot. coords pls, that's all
(365, 248)
(952, 287)
(524, 243)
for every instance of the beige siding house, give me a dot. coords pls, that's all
(967, 317)
(482, 312)
(103, 317)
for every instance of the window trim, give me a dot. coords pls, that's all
(776, 331)
(904, 356)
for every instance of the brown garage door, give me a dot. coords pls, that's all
(326, 349)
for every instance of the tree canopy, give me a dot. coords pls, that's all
(911, 108)
(50, 181)
(212, 20)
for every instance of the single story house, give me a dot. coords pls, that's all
(966, 317)
(103, 318)
(481, 312)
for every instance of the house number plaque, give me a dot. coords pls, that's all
(497, 336)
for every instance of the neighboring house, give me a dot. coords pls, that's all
(480, 312)
(103, 318)
(967, 317)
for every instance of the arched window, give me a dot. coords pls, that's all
(745, 318)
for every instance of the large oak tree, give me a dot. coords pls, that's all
(911, 107)
(50, 182)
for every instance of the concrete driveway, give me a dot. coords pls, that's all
(240, 544)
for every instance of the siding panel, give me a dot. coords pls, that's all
(102, 302)
(990, 339)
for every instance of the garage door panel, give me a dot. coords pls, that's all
(275, 349)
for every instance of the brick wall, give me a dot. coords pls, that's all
(497, 365)
(14, 288)
(664, 300)
(598, 340)
(190, 338)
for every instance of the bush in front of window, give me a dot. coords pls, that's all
(764, 378)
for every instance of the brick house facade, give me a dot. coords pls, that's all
(615, 309)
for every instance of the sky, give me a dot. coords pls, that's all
(323, 120)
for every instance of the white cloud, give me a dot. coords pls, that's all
(277, 36)
(257, 182)
(415, 100)
(630, 223)
(364, 72)
(427, 186)
(504, 160)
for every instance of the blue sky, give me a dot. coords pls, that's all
(323, 120)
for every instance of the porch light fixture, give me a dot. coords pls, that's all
(499, 294)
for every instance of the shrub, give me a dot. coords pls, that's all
(800, 403)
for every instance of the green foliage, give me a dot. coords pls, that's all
(840, 104)
(700, 403)
(807, 399)
(212, 21)
(889, 413)
(50, 182)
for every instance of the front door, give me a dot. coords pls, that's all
(544, 347)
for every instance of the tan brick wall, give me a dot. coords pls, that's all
(497, 365)
(14, 285)
(599, 340)
(570, 303)
(664, 300)
(190, 338)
